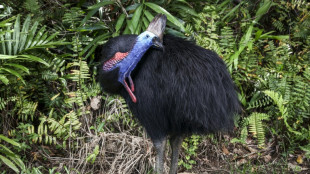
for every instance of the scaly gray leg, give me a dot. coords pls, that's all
(175, 143)
(160, 149)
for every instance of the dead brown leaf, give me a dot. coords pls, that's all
(300, 159)
(267, 158)
(225, 150)
(240, 162)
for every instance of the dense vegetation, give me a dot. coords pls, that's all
(54, 117)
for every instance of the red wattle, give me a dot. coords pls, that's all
(118, 56)
(132, 85)
(132, 96)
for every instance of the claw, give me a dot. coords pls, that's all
(132, 96)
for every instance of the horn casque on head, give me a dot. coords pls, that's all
(158, 25)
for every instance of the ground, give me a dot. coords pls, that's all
(124, 153)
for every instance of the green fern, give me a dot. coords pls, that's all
(258, 102)
(32, 5)
(278, 100)
(256, 126)
(26, 110)
(6, 101)
(62, 129)
(79, 74)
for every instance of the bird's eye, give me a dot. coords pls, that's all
(147, 36)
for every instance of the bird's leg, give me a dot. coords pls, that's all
(132, 86)
(132, 96)
(175, 143)
(160, 147)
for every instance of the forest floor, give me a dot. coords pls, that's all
(124, 153)
(225, 157)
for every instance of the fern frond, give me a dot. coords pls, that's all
(278, 100)
(62, 129)
(31, 5)
(4, 102)
(256, 126)
(81, 73)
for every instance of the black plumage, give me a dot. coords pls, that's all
(182, 89)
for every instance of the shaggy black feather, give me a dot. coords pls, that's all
(181, 90)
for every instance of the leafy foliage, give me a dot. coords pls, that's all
(266, 64)
(190, 145)
(14, 42)
(256, 126)
(49, 73)
(10, 158)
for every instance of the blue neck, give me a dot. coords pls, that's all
(137, 53)
(131, 61)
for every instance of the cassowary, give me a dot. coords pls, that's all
(176, 88)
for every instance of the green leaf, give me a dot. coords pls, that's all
(145, 22)
(171, 18)
(16, 34)
(120, 22)
(4, 138)
(100, 4)
(37, 39)
(50, 38)
(246, 37)
(92, 27)
(34, 58)
(242, 45)
(3, 49)
(231, 11)
(186, 9)
(132, 7)
(4, 79)
(279, 37)
(13, 157)
(262, 10)
(136, 20)
(42, 39)
(24, 33)
(89, 15)
(31, 34)
(23, 68)
(49, 45)
(5, 23)
(8, 41)
(258, 34)
(99, 129)
(148, 15)
(13, 72)
(93, 42)
(129, 27)
(9, 163)
(3, 56)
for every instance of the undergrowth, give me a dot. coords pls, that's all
(54, 117)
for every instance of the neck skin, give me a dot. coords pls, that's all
(132, 59)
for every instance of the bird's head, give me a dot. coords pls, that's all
(124, 60)
(153, 36)
(148, 39)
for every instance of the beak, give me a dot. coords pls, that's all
(157, 42)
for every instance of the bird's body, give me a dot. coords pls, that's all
(182, 89)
